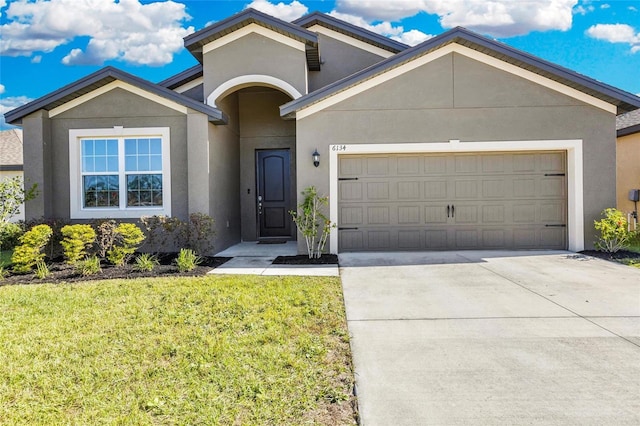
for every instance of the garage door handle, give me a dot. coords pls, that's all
(453, 211)
(448, 210)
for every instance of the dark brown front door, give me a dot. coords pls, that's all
(274, 193)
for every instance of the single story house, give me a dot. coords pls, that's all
(11, 160)
(461, 142)
(628, 158)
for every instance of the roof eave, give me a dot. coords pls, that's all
(628, 130)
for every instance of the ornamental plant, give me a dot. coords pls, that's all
(312, 223)
(128, 238)
(614, 234)
(187, 260)
(30, 251)
(76, 240)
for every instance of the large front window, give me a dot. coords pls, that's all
(121, 172)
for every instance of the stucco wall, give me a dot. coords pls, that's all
(338, 61)
(261, 127)
(628, 169)
(117, 107)
(254, 54)
(224, 177)
(455, 97)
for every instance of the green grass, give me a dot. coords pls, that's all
(204, 350)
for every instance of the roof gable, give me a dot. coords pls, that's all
(628, 124)
(196, 41)
(498, 53)
(80, 90)
(358, 33)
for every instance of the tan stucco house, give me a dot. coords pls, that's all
(461, 142)
(628, 158)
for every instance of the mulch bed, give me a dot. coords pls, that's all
(64, 273)
(620, 255)
(303, 259)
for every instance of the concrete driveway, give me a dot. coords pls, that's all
(485, 338)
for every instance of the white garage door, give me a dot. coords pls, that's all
(452, 201)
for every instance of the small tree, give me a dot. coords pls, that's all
(312, 223)
(614, 235)
(12, 196)
(77, 239)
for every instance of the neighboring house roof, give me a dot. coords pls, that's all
(11, 150)
(182, 78)
(194, 42)
(100, 78)
(327, 21)
(624, 101)
(629, 123)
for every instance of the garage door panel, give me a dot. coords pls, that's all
(501, 200)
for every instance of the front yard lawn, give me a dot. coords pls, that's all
(179, 350)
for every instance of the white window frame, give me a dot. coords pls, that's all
(77, 211)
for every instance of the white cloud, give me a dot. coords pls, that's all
(605, 6)
(500, 18)
(385, 28)
(36, 59)
(633, 9)
(2, 89)
(7, 104)
(286, 12)
(582, 10)
(3, 3)
(616, 33)
(145, 34)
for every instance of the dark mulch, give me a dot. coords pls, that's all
(303, 259)
(64, 273)
(620, 255)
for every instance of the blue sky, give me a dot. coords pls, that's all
(46, 44)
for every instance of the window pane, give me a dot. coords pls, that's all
(112, 164)
(112, 147)
(131, 163)
(144, 190)
(100, 163)
(156, 163)
(101, 191)
(155, 146)
(87, 165)
(143, 163)
(100, 147)
(87, 147)
(143, 146)
(130, 147)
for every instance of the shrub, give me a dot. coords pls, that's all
(614, 235)
(10, 235)
(162, 231)
(3, 273)
(88, 266)
(145, 262)
(42, 270)
(53, 249)
(77, 239)
(312, 224)
(27, 254)
(187, 260)
(106, 236)
(12, 195)
(128, 238)
(200, 232)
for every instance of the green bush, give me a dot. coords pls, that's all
(145, 262)
(88, 266)
(614, 235)
(314, 226)
(187, 260)
(29, 252)
(128, 238)
(166, 233)
(77, 239)
(10, 234)
(53, 249)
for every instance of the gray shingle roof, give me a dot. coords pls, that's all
(11, 149)
(351, 30)
(184, 77)
(628, 123)
(624, 101)
(100, 78)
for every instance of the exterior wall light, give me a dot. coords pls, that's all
(316, 158)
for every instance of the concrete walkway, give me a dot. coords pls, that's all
(251, 258)
(486, 338)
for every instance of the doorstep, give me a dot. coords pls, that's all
(262, 265)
